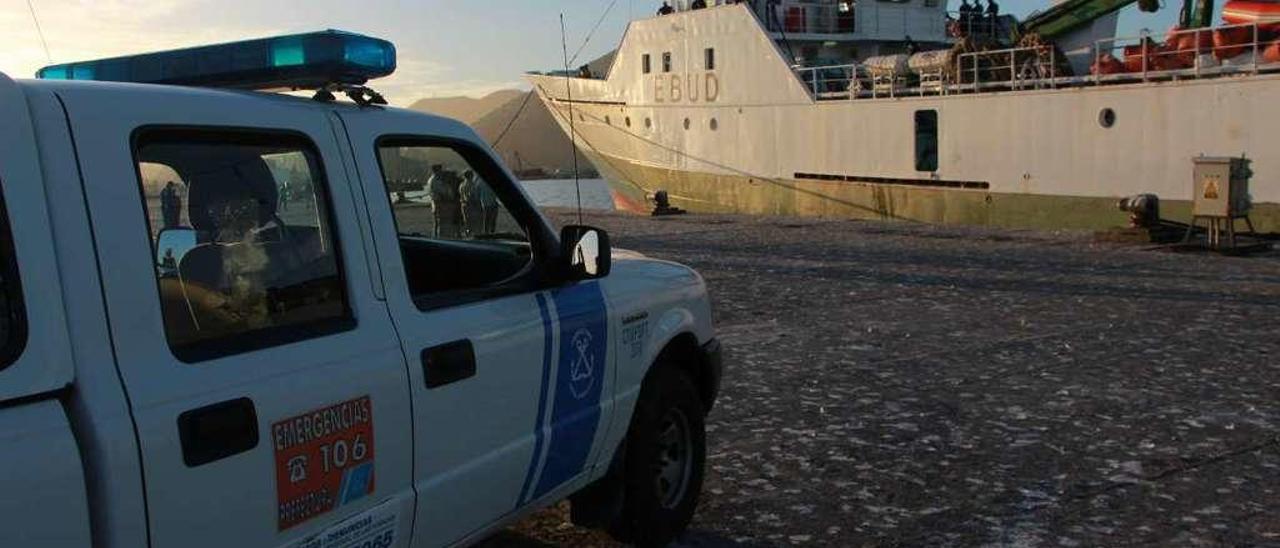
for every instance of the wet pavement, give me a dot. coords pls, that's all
(895, 384)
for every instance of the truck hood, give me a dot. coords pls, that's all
(627, 254)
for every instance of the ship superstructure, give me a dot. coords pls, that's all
(718, 108)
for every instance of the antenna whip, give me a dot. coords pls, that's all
(40, 31)
(573, 144)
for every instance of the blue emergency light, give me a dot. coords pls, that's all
(300, 61)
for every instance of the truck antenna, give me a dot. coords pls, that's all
(573, 144)
(40, 31)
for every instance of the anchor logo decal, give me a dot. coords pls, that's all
(582, 370)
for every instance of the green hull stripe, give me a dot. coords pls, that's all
(707, 193)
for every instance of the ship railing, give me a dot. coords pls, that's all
(1010, 69)
(1194, 53)
(852, 81)
(1191, 53)
(832, 81)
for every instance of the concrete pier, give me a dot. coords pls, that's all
(896, 384)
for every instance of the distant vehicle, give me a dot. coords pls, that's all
(305, 353)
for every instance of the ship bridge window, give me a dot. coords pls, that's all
(926, 140)
(666, 61)
(709, 59)
(645, 64)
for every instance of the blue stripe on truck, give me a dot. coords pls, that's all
(542, 399)
(575, 413)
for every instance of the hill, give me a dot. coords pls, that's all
(534, 141)
(466, 109)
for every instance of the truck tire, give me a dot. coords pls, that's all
(663, 468)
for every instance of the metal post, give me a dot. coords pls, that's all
(1196, 53)
(850, 86)
(1255, 48)
(1013, 69)
(975, 72)
(1097, 62)
(1144, 56)
(1053, 67)
(815, 82)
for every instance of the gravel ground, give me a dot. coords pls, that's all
(895, 384)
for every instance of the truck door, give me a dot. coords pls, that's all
(267, 386)
(508, 369)
(41, 462)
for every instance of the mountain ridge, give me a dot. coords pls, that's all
(534, 141)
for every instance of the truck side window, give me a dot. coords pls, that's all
(13, 322)
(245, 255)
(455, 233)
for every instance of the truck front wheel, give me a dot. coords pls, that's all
(663, 467)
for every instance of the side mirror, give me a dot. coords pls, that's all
(171, 245)
(585, 252)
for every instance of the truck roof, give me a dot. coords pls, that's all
(432, 122)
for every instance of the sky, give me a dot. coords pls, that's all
(446, 48)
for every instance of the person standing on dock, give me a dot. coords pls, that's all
(477, 199)
(445, 204)
(966, 17)
(698, 4)
(171, 205)
(993, 17)
(666, 9)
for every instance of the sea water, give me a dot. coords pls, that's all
(560, 193)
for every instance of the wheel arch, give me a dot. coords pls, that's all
(683, 351)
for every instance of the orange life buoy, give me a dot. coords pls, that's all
(1237, 12)
(1231, 42)
(1107, 64)
(1272, 52)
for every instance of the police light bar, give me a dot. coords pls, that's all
(300, 61)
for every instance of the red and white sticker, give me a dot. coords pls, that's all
(324, 459)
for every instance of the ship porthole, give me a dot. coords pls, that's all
(648, 123)
(687, 123)
(714, 124)
(1107, 118)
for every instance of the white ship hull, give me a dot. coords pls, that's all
(748, 136)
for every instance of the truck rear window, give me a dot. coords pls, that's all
(245, 255)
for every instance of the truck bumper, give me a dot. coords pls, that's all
(712, 357)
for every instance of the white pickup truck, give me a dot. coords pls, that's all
(236, 318)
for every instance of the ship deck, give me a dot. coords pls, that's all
(910, 384)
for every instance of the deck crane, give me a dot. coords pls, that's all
(1070, 15)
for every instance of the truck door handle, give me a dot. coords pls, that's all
(215, 432)
(448, 363)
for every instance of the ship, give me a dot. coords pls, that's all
(902, 110)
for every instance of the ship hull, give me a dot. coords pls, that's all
(711, 193)
(748, 137)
